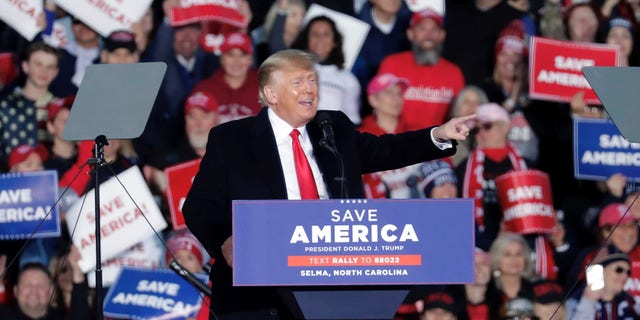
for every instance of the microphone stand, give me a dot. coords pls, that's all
(185, 274)
(95, 163)
(344, 191)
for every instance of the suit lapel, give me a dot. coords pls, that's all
(265, 150)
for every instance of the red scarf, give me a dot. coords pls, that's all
(474, 178)
(545, 263)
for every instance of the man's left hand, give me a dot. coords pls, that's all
(454, 129)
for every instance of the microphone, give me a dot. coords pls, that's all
(185, 274)
(329, 142)
(324, 122)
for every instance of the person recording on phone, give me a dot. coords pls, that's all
(290, 150)
(608, 299)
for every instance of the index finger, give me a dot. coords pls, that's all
(467, 118)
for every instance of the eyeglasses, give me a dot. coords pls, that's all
(620, 270)
(482, 126)
(485, 126)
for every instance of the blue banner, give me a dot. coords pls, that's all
(27, 205)
(599, 151)
(345, 242)
(151, 293)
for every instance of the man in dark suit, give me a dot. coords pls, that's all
(253, 158)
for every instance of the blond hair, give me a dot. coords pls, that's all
(281, 60)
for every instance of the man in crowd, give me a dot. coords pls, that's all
(434, 80)
(24, 110)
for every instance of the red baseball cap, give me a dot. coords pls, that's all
(614, 212)
(237, 40)
(203, 100)
(23, 151)
(385, 80)
(55, 106)
(427, 13)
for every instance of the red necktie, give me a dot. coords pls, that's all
(308, 189)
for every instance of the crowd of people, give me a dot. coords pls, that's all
(414, 70)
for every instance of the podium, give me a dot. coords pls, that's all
(351, 259)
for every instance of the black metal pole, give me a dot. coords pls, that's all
(98, 161)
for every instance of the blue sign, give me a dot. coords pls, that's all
(345, 242)
(599, 151)
(27, 205)
(150, 293)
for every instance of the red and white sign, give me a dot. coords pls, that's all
(419, 5)
(179, 180)
(193, 11)
(106, 16)
(555, 68)
(122, 224)
(527, 205)
(146, 254)
(8, 67)
(21, 15)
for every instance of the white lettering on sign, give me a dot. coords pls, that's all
(169, 288)
(524, 193)
(575, 64)
(12, 196)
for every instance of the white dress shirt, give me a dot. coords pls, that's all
(281, 130)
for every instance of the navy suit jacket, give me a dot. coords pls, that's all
(242, 163)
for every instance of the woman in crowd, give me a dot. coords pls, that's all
(512, 269)
(338, 88)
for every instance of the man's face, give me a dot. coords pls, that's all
(582, 25)
(426, 38)
(84, 35)
(444, 191)
(32, 163)
(437, 314)
(625, 235)
(56, 126)
(41, 69)
(293, 95)
(236, 63)
(186, 40)
(388, 102)
(387, 6)
(508, 63)
(492, 134)
(119, 56)
(198, 123)
(33, 291)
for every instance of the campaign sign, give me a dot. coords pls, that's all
(21, 15)
(179, 180)
(151, 294)
(147, 254)
(106, 16)
(600, 151)
(27, 205)
(419, 5)
(555, 68)
(345, 242)
(123, 223)
(193, 11)
(525, 197)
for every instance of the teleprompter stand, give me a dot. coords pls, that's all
(114, 100)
